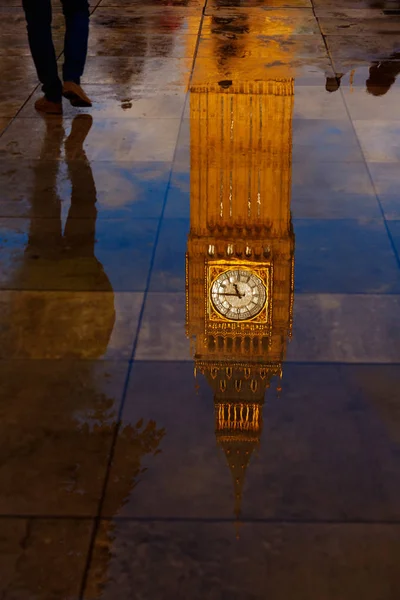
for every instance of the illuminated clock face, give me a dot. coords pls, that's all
(238, 294)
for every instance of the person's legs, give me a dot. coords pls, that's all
(38, 17)
(76, 13)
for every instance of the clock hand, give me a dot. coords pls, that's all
(235, 285)
(228, 294)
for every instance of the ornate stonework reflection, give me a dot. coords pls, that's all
(240, 233)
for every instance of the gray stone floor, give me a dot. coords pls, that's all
(112, 484)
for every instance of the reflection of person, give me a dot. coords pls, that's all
(83, 197)
(57, 431)
(333, 83)
(382, 75)
(55, 260)
(38, 15)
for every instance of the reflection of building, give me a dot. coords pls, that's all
(240, 255)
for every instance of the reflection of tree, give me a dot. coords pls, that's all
(43, 572)
(134, 443)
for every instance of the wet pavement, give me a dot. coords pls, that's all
(199, 307)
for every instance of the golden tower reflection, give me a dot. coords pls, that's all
(240, 253)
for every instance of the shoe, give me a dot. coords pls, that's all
(47, 106)
(75, 94)
(81, 126)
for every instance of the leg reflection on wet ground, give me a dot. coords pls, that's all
(199, 300)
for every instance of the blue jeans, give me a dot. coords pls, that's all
(38, 15)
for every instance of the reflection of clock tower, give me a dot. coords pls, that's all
(240, 254)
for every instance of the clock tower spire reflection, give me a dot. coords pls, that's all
(240, 254)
